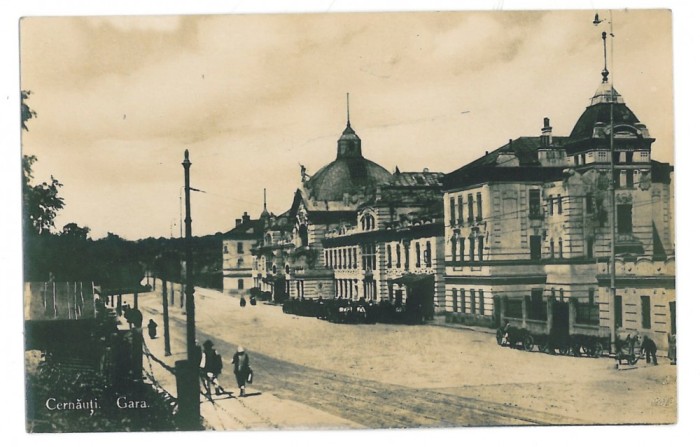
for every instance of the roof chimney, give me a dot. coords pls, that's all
(546, 137)
(246, 217)
(238, 221)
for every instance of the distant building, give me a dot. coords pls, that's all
(237, 255)
(393, 251)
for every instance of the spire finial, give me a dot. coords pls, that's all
(347, 105)
(264, 199)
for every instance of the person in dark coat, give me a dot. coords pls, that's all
(241, 368)
(211, 365)
(136, 317)
(672, 348)
(242, 302)
(649, 348)
(152, 325)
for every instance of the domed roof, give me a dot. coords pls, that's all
(350, 173)
(598, 112)
(355, 175)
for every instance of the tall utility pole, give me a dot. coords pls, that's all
(605, 73)
(166, 320)
(189, 287)
(187, 371)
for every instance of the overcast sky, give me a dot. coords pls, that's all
(253, 96)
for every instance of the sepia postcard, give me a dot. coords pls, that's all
(348, 220)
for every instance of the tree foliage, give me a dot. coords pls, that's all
(41, 202)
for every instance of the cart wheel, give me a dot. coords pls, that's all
(528, 343)
(633, 360)
(543, 347)
(499, 336)
(564, 350)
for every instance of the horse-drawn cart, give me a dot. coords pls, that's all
(592, 341)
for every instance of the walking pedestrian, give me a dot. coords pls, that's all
(152, 325)
(649, 348)
(672, 353)
(136, 317)
(212, 365)
(241, 368)
(242, 302)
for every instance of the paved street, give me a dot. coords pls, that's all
(406, 376)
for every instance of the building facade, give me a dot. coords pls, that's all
(527, 229)
(522, 233)
(237, 266)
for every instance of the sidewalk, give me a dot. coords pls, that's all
(439, 320)
(256, 411)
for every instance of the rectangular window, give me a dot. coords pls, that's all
(589, 248)
(453, 247)
(461, 249)
(452, 211)
(646, 312)
(398, 256)
(479, 211)
(480, 248)
(239, 248)
(559, 204)
(551, 205)
(561, 248)
(460, 210)
(513, 308)
(534, 203)
(406, 249)
(454, 300)
(471, 249)
(535, 247)
(587, 312)
(630, 178)
(428, 255)
(470, 207)
(463, 299)
(589, 203)
(538, 307)
(418, 254)
(624, 219)
(388, 256)
(618, 311)
(472, 297)
(481, 302)
(240, 284)
(551, 247)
